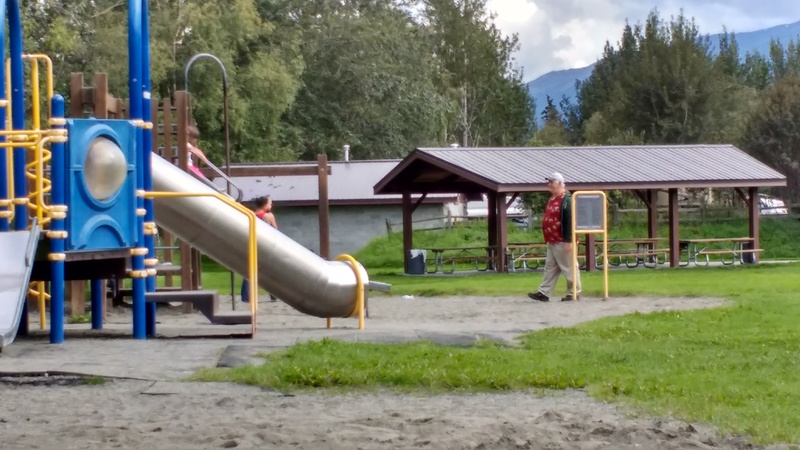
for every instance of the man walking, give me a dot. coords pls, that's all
(557, 230)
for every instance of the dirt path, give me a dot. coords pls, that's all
(161, 413)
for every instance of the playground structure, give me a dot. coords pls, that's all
(85, 194)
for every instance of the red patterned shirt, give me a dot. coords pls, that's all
(551, 224)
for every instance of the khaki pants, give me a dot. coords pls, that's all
(558, 262)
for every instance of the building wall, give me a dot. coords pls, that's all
(351, 227)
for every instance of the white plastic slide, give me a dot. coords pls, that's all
(286, 269)
(17, 250)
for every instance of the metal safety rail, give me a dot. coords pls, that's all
(218, 171)
(252, 249)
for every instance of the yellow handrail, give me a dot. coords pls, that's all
(252, 247)
(42, 184)
(359, 307)
(35, 58)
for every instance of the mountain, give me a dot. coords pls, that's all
(562, 82)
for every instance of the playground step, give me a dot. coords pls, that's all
(206, 301)
(231, 318)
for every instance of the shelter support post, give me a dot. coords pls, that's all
(753, 219)
(674, 234)
(491, 219)
(501, 227)
(408, 236)
(591, 253)
(324, 210)
(652, 213)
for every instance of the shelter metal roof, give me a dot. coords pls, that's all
(604, 168)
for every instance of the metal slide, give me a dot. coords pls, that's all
(286, 269)
(17, 250)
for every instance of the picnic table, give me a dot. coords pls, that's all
(530, 255)
(451, 256)
(645, 251)
(712, 247)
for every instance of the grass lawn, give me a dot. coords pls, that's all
(736, 367)
(778, 237)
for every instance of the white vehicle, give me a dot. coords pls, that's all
(771, 206)
(516, 212)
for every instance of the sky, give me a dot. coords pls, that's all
(564, 34)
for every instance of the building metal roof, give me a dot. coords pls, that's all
(349, 183)
(602, 168)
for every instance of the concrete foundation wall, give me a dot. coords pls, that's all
(351, 227)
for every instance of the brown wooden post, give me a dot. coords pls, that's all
(100, 96)
(652, 213)
(501, 226)
(408, 231)
(77, 297)
(76, 95)
(753, 219)
(491, 218)
(674, 233)
(182, 139)
(167, 130)
(197, 269)
(324, 207)
(181, 102)
(591, 253)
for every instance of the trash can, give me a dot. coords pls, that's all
(749, 257)
(416, 262)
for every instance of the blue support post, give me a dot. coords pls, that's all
(18, 123)
(58, 178)
(17, 111)
(4, 162)
(98, 296)
(135, 99)
(147, 143)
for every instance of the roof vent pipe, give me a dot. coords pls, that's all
(346, 152)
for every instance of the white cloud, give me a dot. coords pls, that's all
(563, 34)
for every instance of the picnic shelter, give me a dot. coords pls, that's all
(644, 170)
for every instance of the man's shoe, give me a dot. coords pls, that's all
(538, 296)
(569, 298)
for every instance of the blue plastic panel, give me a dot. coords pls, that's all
(93, 224)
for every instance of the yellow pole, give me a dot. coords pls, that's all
(359, 307)
(605, 247)
(35, 99)
(575, 268)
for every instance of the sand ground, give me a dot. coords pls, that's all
(158, 411)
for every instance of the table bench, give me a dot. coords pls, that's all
(530, 255)
(707, 248)
(646, 251)
(476, 255)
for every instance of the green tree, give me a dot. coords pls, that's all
(491, 105)
(771, 133)
(368, 82)
(661, 85)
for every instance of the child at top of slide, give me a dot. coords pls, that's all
(194, 152)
